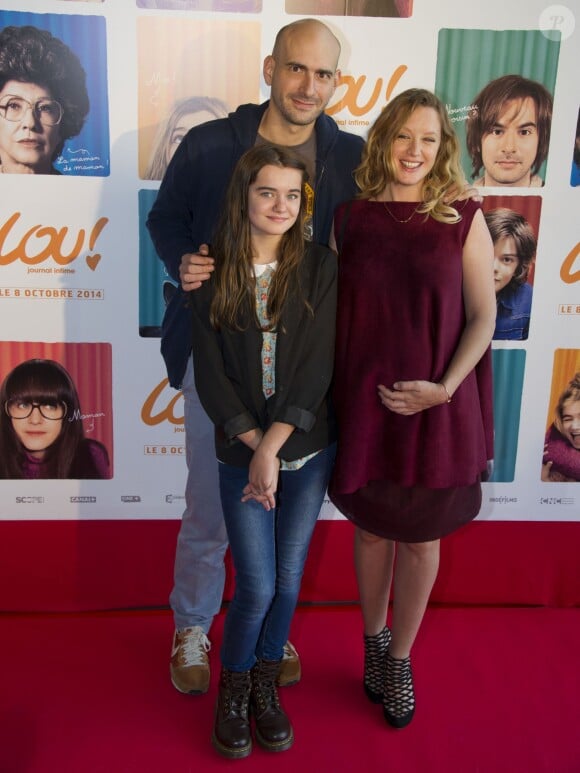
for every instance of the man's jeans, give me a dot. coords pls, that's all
(199, 573)
(269, 550)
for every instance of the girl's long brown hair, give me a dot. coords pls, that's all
(233, 305)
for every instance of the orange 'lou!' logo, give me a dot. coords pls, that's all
(42, 242)
(152, 415)
(566, 273)
(353, 89)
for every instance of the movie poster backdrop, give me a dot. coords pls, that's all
(80, 284)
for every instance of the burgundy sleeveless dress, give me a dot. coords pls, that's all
(400, 317)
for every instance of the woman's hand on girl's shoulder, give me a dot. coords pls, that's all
(457, 193)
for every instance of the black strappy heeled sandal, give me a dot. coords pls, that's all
(374, 673)
(398, 696)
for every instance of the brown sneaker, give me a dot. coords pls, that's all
(290, 671)
(189, 665)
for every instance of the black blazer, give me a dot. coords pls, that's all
(228, 367)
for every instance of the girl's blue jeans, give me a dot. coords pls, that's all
(269, 550)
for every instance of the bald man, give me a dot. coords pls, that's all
(302, 74)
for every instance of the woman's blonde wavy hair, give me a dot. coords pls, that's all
(377, 168)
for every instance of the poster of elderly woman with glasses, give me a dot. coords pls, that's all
(46, 93)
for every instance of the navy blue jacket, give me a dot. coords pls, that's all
(188, 204)
(514, 305)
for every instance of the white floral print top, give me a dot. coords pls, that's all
(264, 274)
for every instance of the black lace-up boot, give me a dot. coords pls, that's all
(231, 733)
(273, 729)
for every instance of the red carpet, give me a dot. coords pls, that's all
(497, 692)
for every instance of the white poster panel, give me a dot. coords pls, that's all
(80, 284)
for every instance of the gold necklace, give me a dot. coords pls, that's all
(406, 220)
